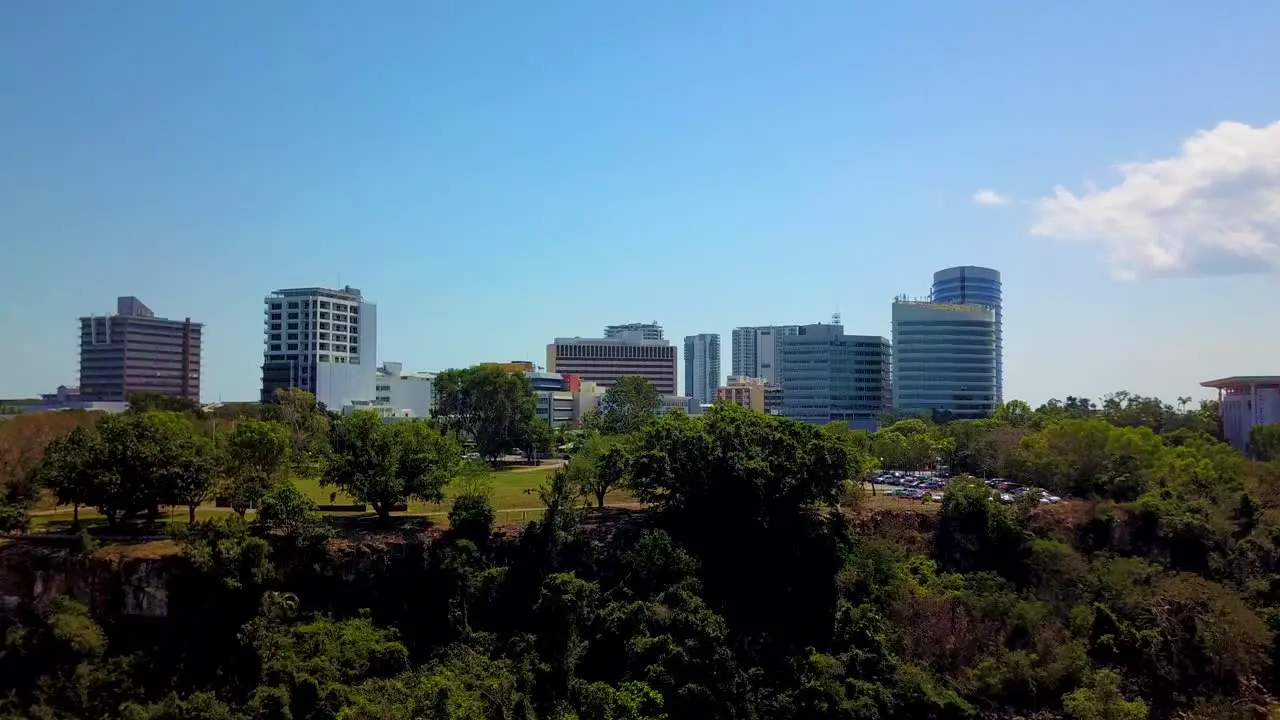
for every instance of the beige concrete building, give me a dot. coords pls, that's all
(604, 360)
(745, 391)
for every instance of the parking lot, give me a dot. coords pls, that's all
(918, 485)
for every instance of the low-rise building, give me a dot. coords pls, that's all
(413, 391)
(1245, 401)
(748, 392)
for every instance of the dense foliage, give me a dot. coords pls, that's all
(758, 584)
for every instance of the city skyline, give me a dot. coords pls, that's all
(490, 201)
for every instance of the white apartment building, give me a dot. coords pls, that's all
(755, 350)
(320, 340)
(412, 391)
(1245, 401)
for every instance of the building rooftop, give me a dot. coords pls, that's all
(630, 337)
(1239, 380)
(345, 292)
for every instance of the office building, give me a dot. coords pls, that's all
(604, 360)
(702, 367)
(323, 341)
(133, 351)
(755, 350)
(412, 391)
(828, 376)
(944, 358)
(649, 331)
(972, 285)
(1245, 401)
(748, 392)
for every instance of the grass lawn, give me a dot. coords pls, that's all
(515, 499)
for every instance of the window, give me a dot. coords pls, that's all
(275, 348)
(324, 346)
(275, 316)
(275, 337)
(322, 358)
(293, 305)
(324, 336)
(383, 388)
(293, 326)
(293, 336)
(324, 315)
(275, 306)
(324, 326)
(293, 316)
(324, 304)
(275, 326)
(306, 304)
(293, 347)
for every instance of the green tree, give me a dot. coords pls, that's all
(194, 462)
(629, 404)
(1101, 700)
(1264, 441)
(1016, 413)
(68, 469)
(256, 455)
(488, 406)
(307, 423)
(386, 463)
(602, 464)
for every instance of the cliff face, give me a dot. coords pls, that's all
(111, 582)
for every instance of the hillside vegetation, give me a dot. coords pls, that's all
(760, 583)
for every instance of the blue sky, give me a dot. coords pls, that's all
(494, 175)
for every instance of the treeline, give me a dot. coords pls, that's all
(752, 588)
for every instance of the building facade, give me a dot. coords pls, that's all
(323, 341)
(133, 351)
(1245, 401)
(973, 285)
(748, 392)
(702, 367)
(649, 331)
(604, 360)
(412, 391)
(755, 350)
(827, 376)
(944, 358)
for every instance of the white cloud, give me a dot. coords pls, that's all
(1212, 209)
(990, 197)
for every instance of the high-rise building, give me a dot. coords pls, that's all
(603, 360)
(649, 331)
(827, 376)
(755, 350)
(944, 358)
(322, 341)
(702, 367)
(973, 285)
(133, 352)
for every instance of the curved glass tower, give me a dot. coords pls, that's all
(944, 358)
(973, 285)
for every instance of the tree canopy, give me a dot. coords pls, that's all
(488, 406)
